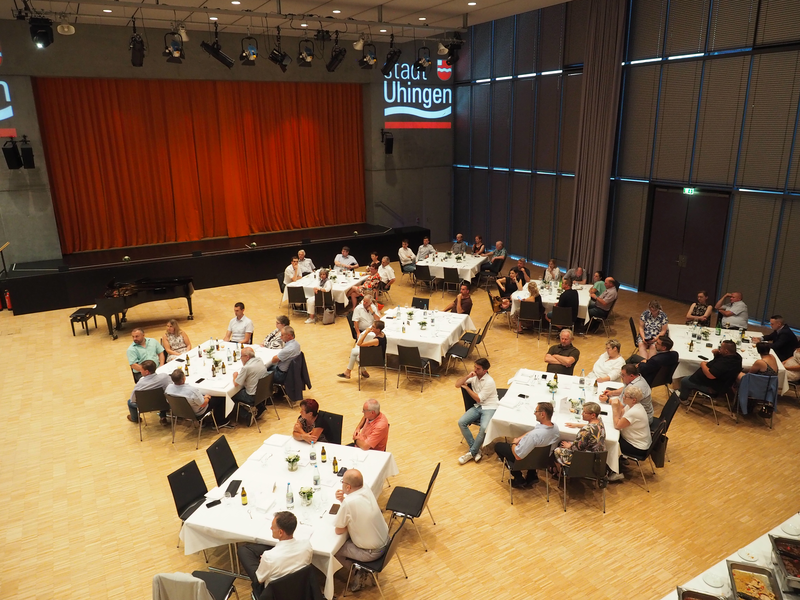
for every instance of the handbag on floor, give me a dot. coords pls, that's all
(329, 316)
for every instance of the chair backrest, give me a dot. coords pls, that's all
(335, 422)
(299, 584)
(451, 275)
(280, 282)
(323, 299)
(529, 311)
(482, 334)
(423, 273)
(669, 410)
(222, 460)
(297, 295)
(663, 376)
(657, 434)
(634, 333)
(562, 315)
(421, 303)
(349, 316)
(151, 400)
(180, 407)
(758, 387)
(391, 548)
(497, 265)
(538, 458)
(409, 356)
(176, 586)
(187, 486)
(430, 487)
(591, 465)
(372, 356)
(264, 387)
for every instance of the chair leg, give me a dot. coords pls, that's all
(565, 491)
(431, 514)
(397, 554)
(639, 464)
(140, 427)
(377, 583)
(414, 523)
(347, 584)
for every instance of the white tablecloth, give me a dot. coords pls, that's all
(266, 470)
(760, 549)
(690, 361)
(343, 282)
(200, 368)
(550, 297)
(443, 329)
(467, 267)
(515, 416)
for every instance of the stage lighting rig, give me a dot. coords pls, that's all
(136, 47)
(423, 60)
(278, 56)
(305, 52)
(41, 31)
(173, 47)
(215, 49)
(391, 57)
(367, 59)
(337, 54)
(249, 52)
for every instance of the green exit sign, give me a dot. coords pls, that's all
(690, 191)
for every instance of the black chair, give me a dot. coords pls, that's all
(605, 321)
(460, 352)
(586, 465)
(264, 395)
(667, 414)
(181, 409)
(538, 458)
(383, 291)
(487, 278)
(219, 585)
(299, 585)
(561, 319)
(712, 395)
(188, 491)
(353, 333)
(335, 421)
(410, 359)
(763, 389)
(421, 303)
(297, 297)
(451, 278)
(371, 356)
(281, 285)
(466, 338)
(150, 401)
(222, 460)
(409, 503)
(634, 333)
(664, 377)
(323, 300)
(643, 455)
(297, 380)
(530, 311)
(423, 276)
(376, 566)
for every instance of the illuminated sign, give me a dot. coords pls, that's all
(690, 191)
(409, 96)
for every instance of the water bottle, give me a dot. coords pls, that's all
(289, 496)
(312, 455)
(583, 378)
(230, 359)
(316, 476)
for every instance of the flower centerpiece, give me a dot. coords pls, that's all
(459, 257)
(705, 333)
(292, 460)
(306, 495)
(209, 352)
(410, 314)
(423, 324)
(448, 254)
(552, 385)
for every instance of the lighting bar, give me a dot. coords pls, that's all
(699, 54)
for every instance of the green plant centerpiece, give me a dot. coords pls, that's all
(459, 257)
(410, 315)
(448, 254)
(209, 352)
(423, 324)
(705, 333)
(292, 461)
(552, 385)
(306, 495)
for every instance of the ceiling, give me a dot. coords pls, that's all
(401, 17)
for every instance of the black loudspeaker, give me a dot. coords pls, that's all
(12, 156)
(27, 157)
(388, 143)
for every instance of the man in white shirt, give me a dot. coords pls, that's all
(150, 380)
(325, 285)
(292, 272)
(364, 314)
(266, 563)
(425, 250)
(306, 264)
(387, 273)
(362, 520)
(544, 434)
(247, 379)
(407, 258)
(200, 404)
(240, 329)
(290, 350)
(478, 387)
(459, 246)
(733, 311)
(345, 261)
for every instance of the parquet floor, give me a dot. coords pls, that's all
(88, 512)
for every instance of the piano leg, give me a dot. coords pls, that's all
(110, 329)
(124, 316)
(116, 320)
(191, 315)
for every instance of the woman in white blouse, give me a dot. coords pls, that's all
(552, 272)
(608, 366)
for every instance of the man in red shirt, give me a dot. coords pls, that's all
(372, 432)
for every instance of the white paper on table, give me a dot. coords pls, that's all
(303, 531)
(264, 451)
(512, 402)
(277, 440)
(216, 494)
(564, 407)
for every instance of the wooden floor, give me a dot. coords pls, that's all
(89, 514)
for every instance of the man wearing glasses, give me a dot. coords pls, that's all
(544, 434)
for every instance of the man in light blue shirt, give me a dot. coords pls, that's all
(290, 350)
(143, 349)
(544, 434)
(425, 250)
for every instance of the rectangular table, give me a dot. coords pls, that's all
(690, 361)
(515, 416)
(342, 281)
(200, 368)
(443, 329)
(265, 475)
(550, 297)
(468, 266)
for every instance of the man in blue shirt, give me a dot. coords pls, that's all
(544, 434)
(290, 350)
(142, 349)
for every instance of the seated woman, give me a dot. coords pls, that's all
(765, 365)
(608, 366)
(535, 296)
(792, 366)
(599, 282)
(479, 247)
(552, 272)
(509, 284)
(652, 324)
(700, 311)
(310, 425)
(370, 337)
(175, 341)
(273, 340)
(630, 419)
(591, 437)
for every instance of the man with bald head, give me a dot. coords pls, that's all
(372, 432)
(732, 310)
(361, 519)
(246, 380)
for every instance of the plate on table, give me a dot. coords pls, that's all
(791, 527)
(747, 555)
(713, 579)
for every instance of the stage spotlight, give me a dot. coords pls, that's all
(391, 58)
(305, 53)
(452, 50)
(368, 57)
(41, 31)
(12, 155)
(215, 49)
(136, 47)
(64, 28)
(278, 56)
(337, 55)
(359, 43)
(183, 33)
(249, 52)
(423, 60)
(173, 47)
(442, 49)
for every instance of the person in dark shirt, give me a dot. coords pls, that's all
(569, 299)
(462, 304)
(716, 375)
(782, 339)
(664, 356)
(562, 357)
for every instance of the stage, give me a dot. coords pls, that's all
(80, 279)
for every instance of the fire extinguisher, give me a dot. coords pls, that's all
(8, 300)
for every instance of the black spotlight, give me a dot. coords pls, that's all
(173, 47)
(278, 56)
(250, 53)
(368, 57)
(391, 58)
(305, 52)
(452, 50)
(12, 155)
(337, 54)
(41, 31)
(136, 47)
(423, 60)
(215, 49)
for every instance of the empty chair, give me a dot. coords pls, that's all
(222, 460)
(451, 279)
(538, 458)
(666, 416)
(335, 421)
(150, 401)
(466, 338)
(281, 285)
(407, 502)
(410, 359)
(423, 276)
(219, 585)
(376, 566)
(198, 585)
(181, 409)
(188, 490)
(530, 311)
(299, 585)
(421, 303)
(586, 465)
(297, 380)
(761, 388)
(372, 356)
(297, 298)
(264, 395)
(634, 332)
(460, 352)
(561, 318)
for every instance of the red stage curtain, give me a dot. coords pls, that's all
(147, 162)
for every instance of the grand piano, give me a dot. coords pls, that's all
(120, 297)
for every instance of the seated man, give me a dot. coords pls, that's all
(407, 258)
(361, 519)
(325, 285)
(142, 349)
(290, 350)
(387, 273)
(266, 563)
(600, 304)
(716, 375)
(425, 250)
(782, 339)
(497, 258)
(477, 387)
(463, 302)
(733, 311)
(577, 274)
(344, 260)
(652, 324)
(364, 315)
(372, 336)
(306, 264)
(311, 426)
(247, 379)
(569, 299)
(523, 273)
(292, 272)
(561, 357)
(372, 431)
(149, 380)
(545, 433)
(200, 404)
(459, 246)
(665, 356)
(370, 284)
(631, 377)
(240, 329)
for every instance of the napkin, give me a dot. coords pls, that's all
(277, 440)
(512, 402)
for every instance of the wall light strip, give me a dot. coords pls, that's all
(526, 75)
(558, 72)
(634, 180)
(504, 78)
(482, 80)
(461, 166)
(629, 288)
(645, 60)
(758, 191)
(685, 56)
(521, 171)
